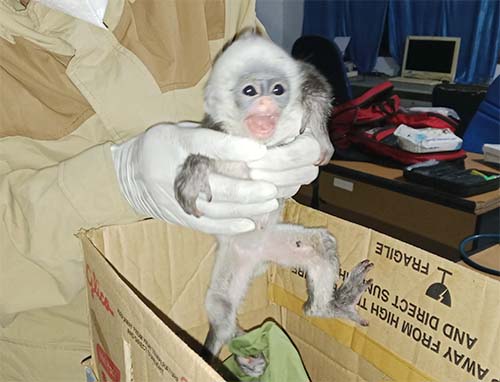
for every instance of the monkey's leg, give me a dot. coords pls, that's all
(231, 276)
(315, 250)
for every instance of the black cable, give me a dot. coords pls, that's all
(466, 256)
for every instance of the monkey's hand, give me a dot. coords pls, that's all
(147, 166)
(191, 181)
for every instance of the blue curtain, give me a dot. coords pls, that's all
(476, 22)
(362, 20)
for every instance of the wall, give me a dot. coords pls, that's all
(282, 19)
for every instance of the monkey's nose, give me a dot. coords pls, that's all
(266, 103)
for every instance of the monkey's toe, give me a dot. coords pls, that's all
(252, 366)
(357, 275)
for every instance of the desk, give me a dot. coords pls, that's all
(379, 197)
(411, 94)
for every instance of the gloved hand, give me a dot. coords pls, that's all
(91, 11)
(147, 165)
(289, 166)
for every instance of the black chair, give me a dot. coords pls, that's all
(485, 125)
(326, 56)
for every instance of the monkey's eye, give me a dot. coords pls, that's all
(249, 91)
(278, 89)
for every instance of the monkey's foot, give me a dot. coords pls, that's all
(191, 181)
(252, 366)
(347, 296)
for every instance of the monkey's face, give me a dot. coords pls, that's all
(261, 99)
(254, 91)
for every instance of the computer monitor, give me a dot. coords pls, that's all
(431, 57)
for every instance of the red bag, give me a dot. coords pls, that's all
(370, 120)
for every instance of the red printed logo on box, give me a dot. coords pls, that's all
(108, 365)
(96, 291)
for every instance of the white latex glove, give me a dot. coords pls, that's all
(147, 165)
(91, 11)
(289, 166)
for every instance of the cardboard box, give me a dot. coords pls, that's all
(430, 319)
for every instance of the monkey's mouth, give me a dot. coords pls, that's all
(262, 126)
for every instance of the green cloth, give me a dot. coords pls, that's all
(283, 360)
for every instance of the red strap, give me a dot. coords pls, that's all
(382, 90)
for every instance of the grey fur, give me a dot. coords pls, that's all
(191, 181)
(316, 100)
(209, 123)
(252, 366)
(264, 80)
(240, 257)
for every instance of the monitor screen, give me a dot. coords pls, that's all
(430, 55)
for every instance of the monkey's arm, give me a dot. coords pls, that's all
(316, 101)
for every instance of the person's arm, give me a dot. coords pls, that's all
(43, 209)
(40, 211)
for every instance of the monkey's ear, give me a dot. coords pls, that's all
(248, 32)
(245, 33)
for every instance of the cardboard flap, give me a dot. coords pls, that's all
(131, 342)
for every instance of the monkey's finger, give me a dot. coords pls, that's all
(294, 177)
(303, 151)
(236, 210)
(234, 190)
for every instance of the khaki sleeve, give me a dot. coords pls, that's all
(40, 211)
(240, 15)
